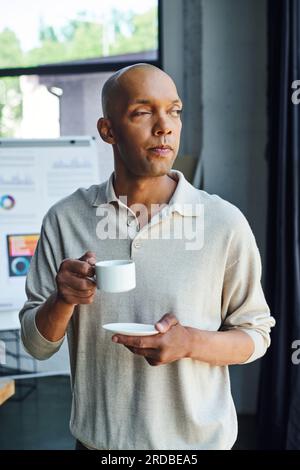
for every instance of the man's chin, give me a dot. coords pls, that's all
(158, 172)
(159, 168)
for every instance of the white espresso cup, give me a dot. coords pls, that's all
(115, 275)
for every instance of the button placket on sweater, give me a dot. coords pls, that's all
(136, 244)
(132, 227)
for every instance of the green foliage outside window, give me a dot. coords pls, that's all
(79, 39)
(83, 39)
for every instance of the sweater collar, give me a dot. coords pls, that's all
(185, 199)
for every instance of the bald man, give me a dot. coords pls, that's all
(170, 390)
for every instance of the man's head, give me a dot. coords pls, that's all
(141, 111)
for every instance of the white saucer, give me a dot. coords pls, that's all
(131, 329)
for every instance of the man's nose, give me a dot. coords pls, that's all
(164, 131)
(162, 128)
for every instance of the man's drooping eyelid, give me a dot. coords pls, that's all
(142, 109)
(146, 111)
(173, 107)
(134, 107)
(146, 106)
(152, 102)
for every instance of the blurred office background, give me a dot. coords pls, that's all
(219, 54)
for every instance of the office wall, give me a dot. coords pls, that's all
(234, 127)
(182, 37)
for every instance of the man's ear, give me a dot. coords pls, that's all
(105, 130)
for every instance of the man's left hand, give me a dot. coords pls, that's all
(172, 343)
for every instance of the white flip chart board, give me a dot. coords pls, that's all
(34, 174)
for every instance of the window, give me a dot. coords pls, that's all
(79, 36)
(53, 65)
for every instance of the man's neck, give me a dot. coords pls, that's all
(146, 191)
(150, 192)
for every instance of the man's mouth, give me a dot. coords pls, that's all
(161, 150)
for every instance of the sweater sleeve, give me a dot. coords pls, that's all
(40, 284)
(243, 302)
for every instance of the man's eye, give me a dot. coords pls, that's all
(176, 112)
(140, 113)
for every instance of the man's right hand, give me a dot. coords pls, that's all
(73, 287)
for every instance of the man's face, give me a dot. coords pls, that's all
(146, 122)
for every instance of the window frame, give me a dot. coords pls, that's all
(106, 64)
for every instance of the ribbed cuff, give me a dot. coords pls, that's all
(259, 345)
(35, 343)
